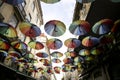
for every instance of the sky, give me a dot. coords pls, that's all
(62, 11)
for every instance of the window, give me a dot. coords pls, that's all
(13, 21)
(33, 5)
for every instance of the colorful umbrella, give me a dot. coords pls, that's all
(20, 45)
(13, 2)
(78, 59)
(67, 60)
(22, 60)
(72, 43)
(55, 60)
(95, 51)
(29, 56)
(102, 27)
(14, 53)
(57, 69)
(90, 41)
(70, 54)
(84, 52)
(116, 25)
(55, 28)
(85, 1)
(56, 54)
(50, 1)
(107, 38)
(54, 43)
(35, 45)
(68, 67)
(8, 30)
(42, 54)
(4, 45)
(80, 27)
(29, 29)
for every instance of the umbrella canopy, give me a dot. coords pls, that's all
(84, 52)
(42, 54)
(80, 27)
(29, 29)
(90, 41)
(70, 54)
(14, 53)
(78, 59)
(106, 39)
(35, 45)
(56, 54)
(54, 43)
(85, 1)
(13, 2)
(20, 45)
(22, 60)
(72, 43)
(57, 69)
(50, 1)
(29, 56)
(102, 27)
(67, 60)
(55, 28)
(67, 67)
(55, 60)
(96, 51)
(8, 30)
(4, 45)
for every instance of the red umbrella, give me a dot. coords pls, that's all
(35, 45)
(29, 29)
(72, 43)
(80, 27)
(42, 54)
(90, 41)
(54, 43)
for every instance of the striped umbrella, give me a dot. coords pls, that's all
(55, 28)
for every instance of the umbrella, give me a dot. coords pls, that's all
(55, 60)
(8, 30)
(35, 45)
(54, 43)
(29, 56)
(72, 43)
(78, 59)
(56, 54)
(42, 54)
(45, 62)
(95, 51)
(67, 67)
(4, 45)
(107, 38)
(67, 60)
(102, 27)
(55, 28)
(57, 69)
(85, 1)
(13, 2)
(84, 52)
(20, 45)
(80, 27)
(89, 58)
(50, 1)
(70, 54)
(29, 29)
(22, 60)
(14, 53)
(90, 41)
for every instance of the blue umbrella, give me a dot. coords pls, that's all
(13, 2)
